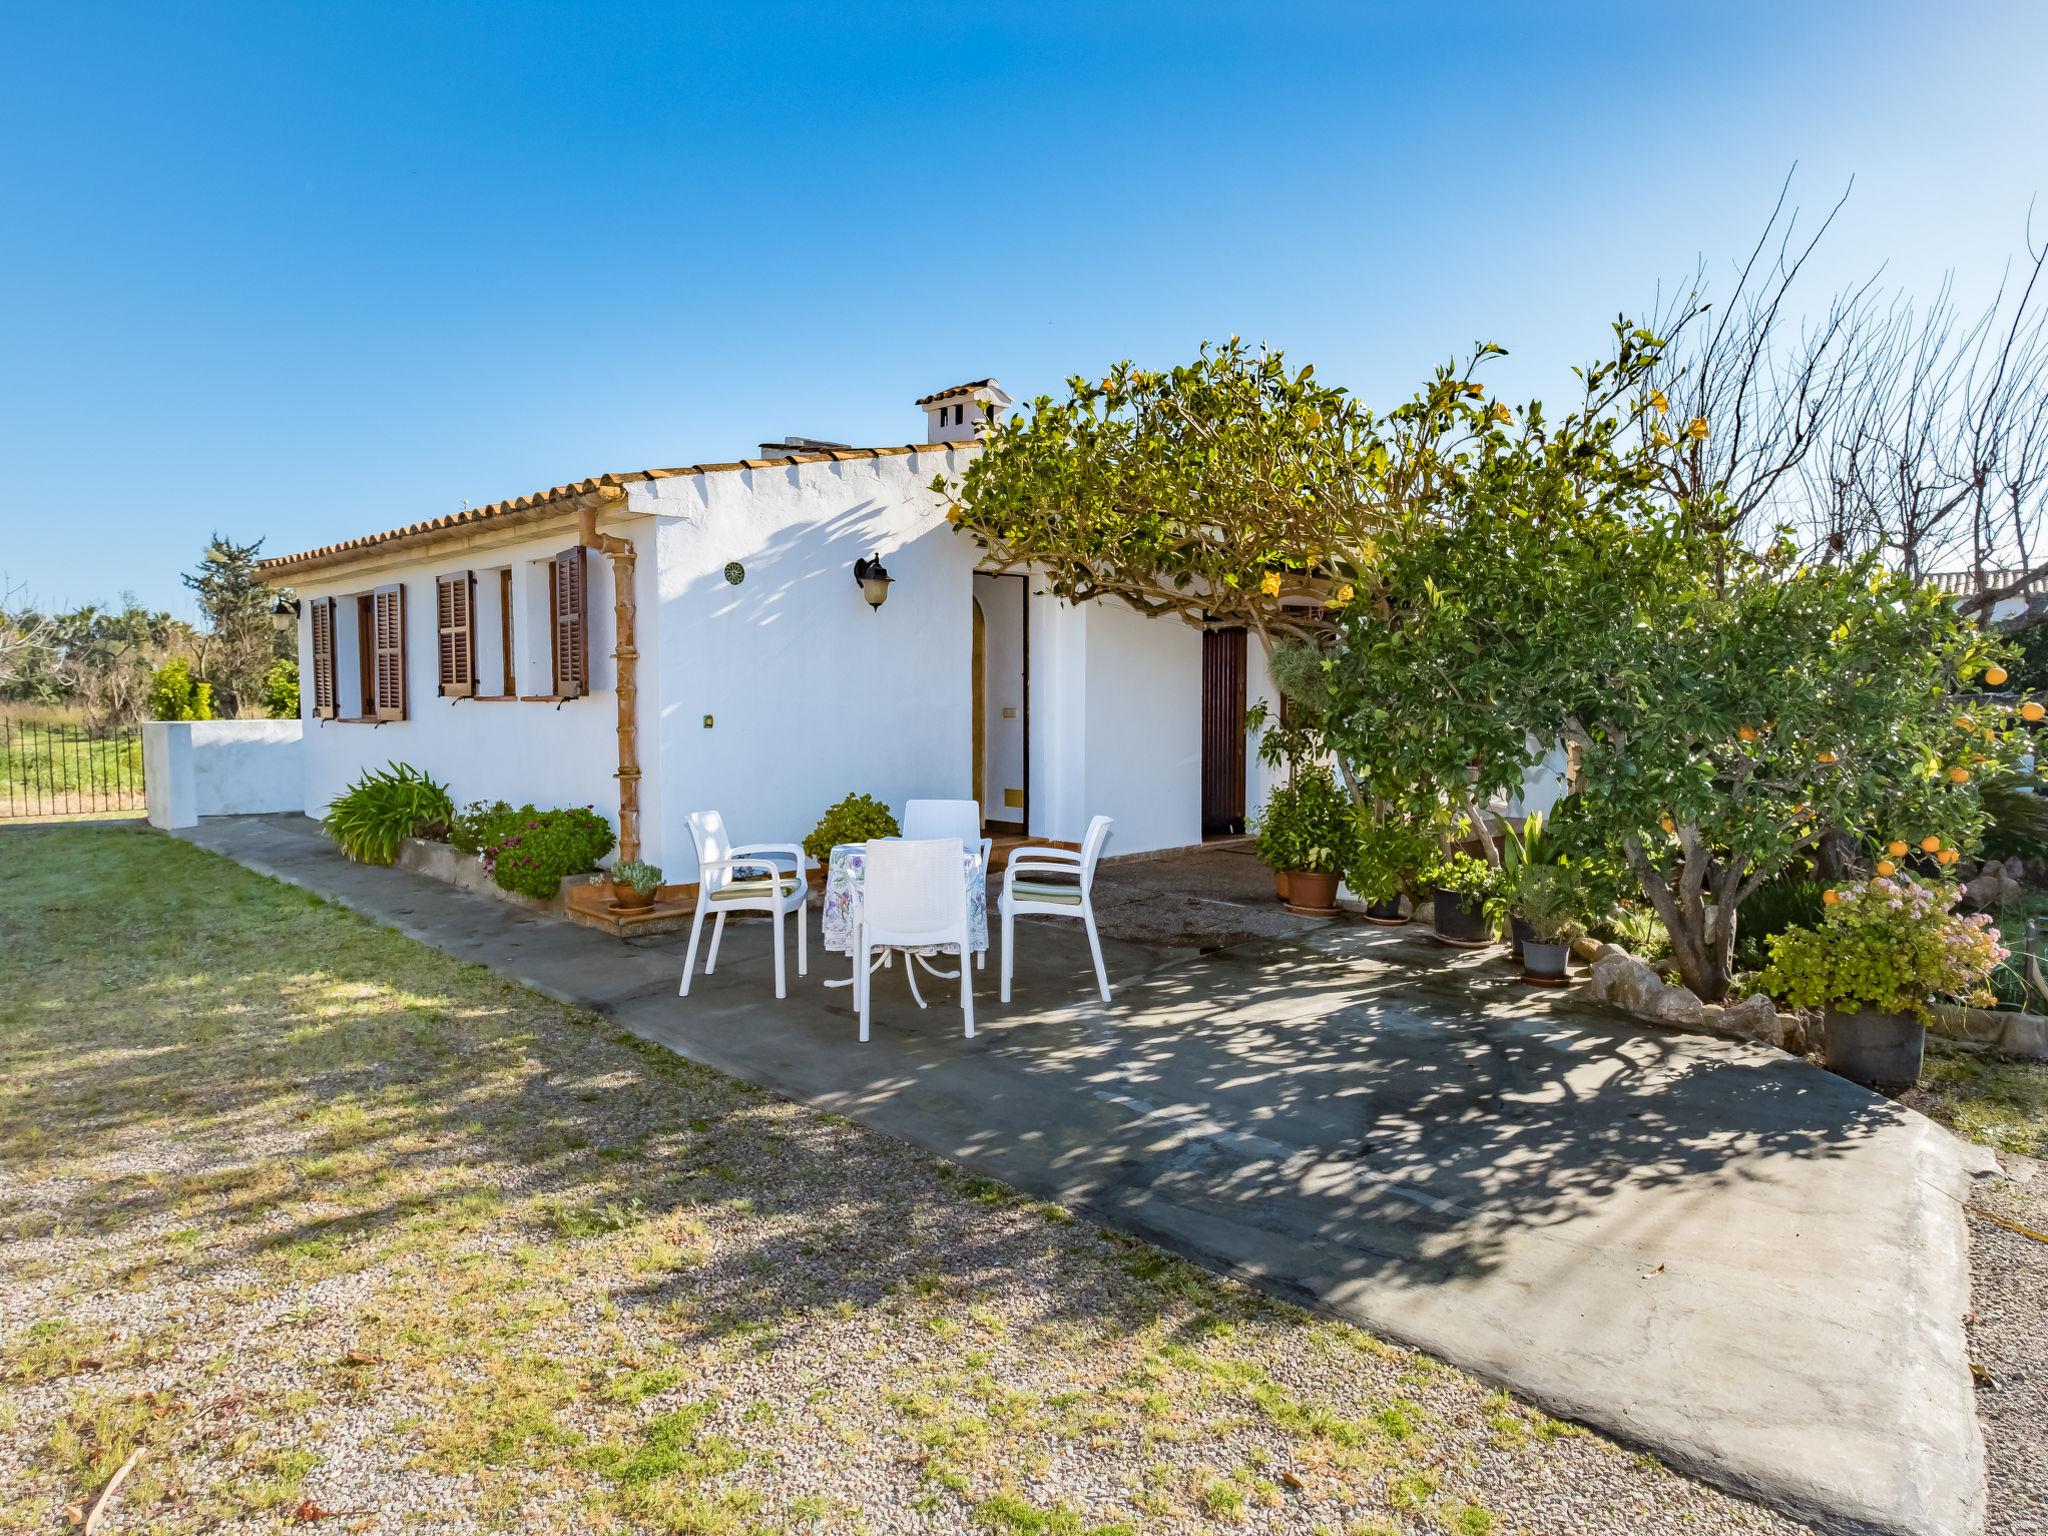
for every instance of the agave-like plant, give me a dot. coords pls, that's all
(370, 818)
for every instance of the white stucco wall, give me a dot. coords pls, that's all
(194, 768)
(812, 694)
(521, 750)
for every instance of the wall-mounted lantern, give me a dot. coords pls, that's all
(284, 613)
(874, 581)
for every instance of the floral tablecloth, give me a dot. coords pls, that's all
(848, 867)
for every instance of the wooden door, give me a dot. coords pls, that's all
(1223, 696)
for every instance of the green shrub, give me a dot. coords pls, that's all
(1463, 875)
(2019, 823)
(372, 816)
(1387, 860)
(1308, 823)
(281, 689)
(1891, 945)
(1551, 899)
(547, 845)
(1770, 909)
(174, 694)
(483, 824)
(853, 820)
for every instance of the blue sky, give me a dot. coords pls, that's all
(307, 271)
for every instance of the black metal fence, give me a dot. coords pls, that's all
(58, 767)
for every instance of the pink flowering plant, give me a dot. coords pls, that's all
(1888, 945)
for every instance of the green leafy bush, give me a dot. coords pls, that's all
(1463, 875)
(853, 820)
(1770, 909)
(174, 694)
(372, 816)
(485, 823)
(1387, 860)
(1551, 899)
(636, 875)
(1308, 823)
(544, 846)
(2019, 823)
(281, 689)
(1891, 945)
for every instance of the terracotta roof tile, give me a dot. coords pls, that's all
(561, 495)
(957, 389)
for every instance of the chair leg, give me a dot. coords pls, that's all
(981, 959)
(803, 927)
(781, 969)
(690, 964)
(966, 990)
(1095, 949)
(717, 933)
(861, 984)
(1009, 950)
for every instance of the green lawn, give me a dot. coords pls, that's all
(332, 1224)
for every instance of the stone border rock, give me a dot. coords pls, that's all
(1619, 980)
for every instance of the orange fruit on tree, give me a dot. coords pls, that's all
(1667, 824)
(1962, 722)
(1896, 848)
(1887, 867)
(1949, 855)
(1994, 675)
(1831, 896)
(1746, 732)
(1929, 843)
(1826, 757)
(2031, 710)
(1959, 775)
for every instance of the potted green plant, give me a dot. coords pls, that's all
(1522, 849)
(634, 884)
(1885, 950)
(1550, 908)
(1315, 836)
(1274, 827)
(1389, 858)
(853, 820)
(1462, 886)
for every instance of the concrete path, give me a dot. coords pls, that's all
(1745, 1264)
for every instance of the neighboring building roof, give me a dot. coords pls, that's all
(562, 497)
(962, 389)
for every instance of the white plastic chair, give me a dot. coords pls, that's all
(1033, 895)
(951, 818)
(722, 887)
(911, 897)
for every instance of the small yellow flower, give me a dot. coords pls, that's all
(1501, 413)
(1340, 597)
(1661, 438)
(1659, 401)
(1313, 420)
(1475, 390)
(1271, 585)
(1696, 429)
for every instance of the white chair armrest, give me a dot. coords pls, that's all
(1046, 851)
(737, 863)
(785, 850)
(1028, 867)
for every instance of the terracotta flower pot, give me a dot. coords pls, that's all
(1879, 1050)
(1279, 885)
(1311, 893)
(626, 899)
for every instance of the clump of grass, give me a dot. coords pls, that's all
(1998, 1102)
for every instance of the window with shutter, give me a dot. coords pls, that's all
(455, 617)
(323, 658)
(388, 633)
(572, 634)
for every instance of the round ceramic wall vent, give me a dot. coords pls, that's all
(735, 572)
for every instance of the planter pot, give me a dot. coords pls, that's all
(1280, 885)
(1311, 894)
(626, 899)
(1879, 1050)
(1386, 913)
(1461, 919)
(1519, 928)
(1546, 962)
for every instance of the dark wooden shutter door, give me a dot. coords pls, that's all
(1223, 692)
(323, 658)
(388, 634)
(572, 635)
(455, 617)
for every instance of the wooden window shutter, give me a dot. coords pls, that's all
(455, 617)
(572, 626)
(323, 658)
(387, 623)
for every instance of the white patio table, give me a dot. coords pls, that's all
(846, 869)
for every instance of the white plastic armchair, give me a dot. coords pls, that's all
(912, 898)
(1054, 882)
(748, 878)
(951, 818)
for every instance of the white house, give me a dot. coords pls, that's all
(483, 647)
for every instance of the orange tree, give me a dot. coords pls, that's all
(1724, 709)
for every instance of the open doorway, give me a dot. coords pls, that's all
(1002, 709)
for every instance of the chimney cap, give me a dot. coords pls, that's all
(988, 387)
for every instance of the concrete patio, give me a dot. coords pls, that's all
(1745, 1264)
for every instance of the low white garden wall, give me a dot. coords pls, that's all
(195, 768)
